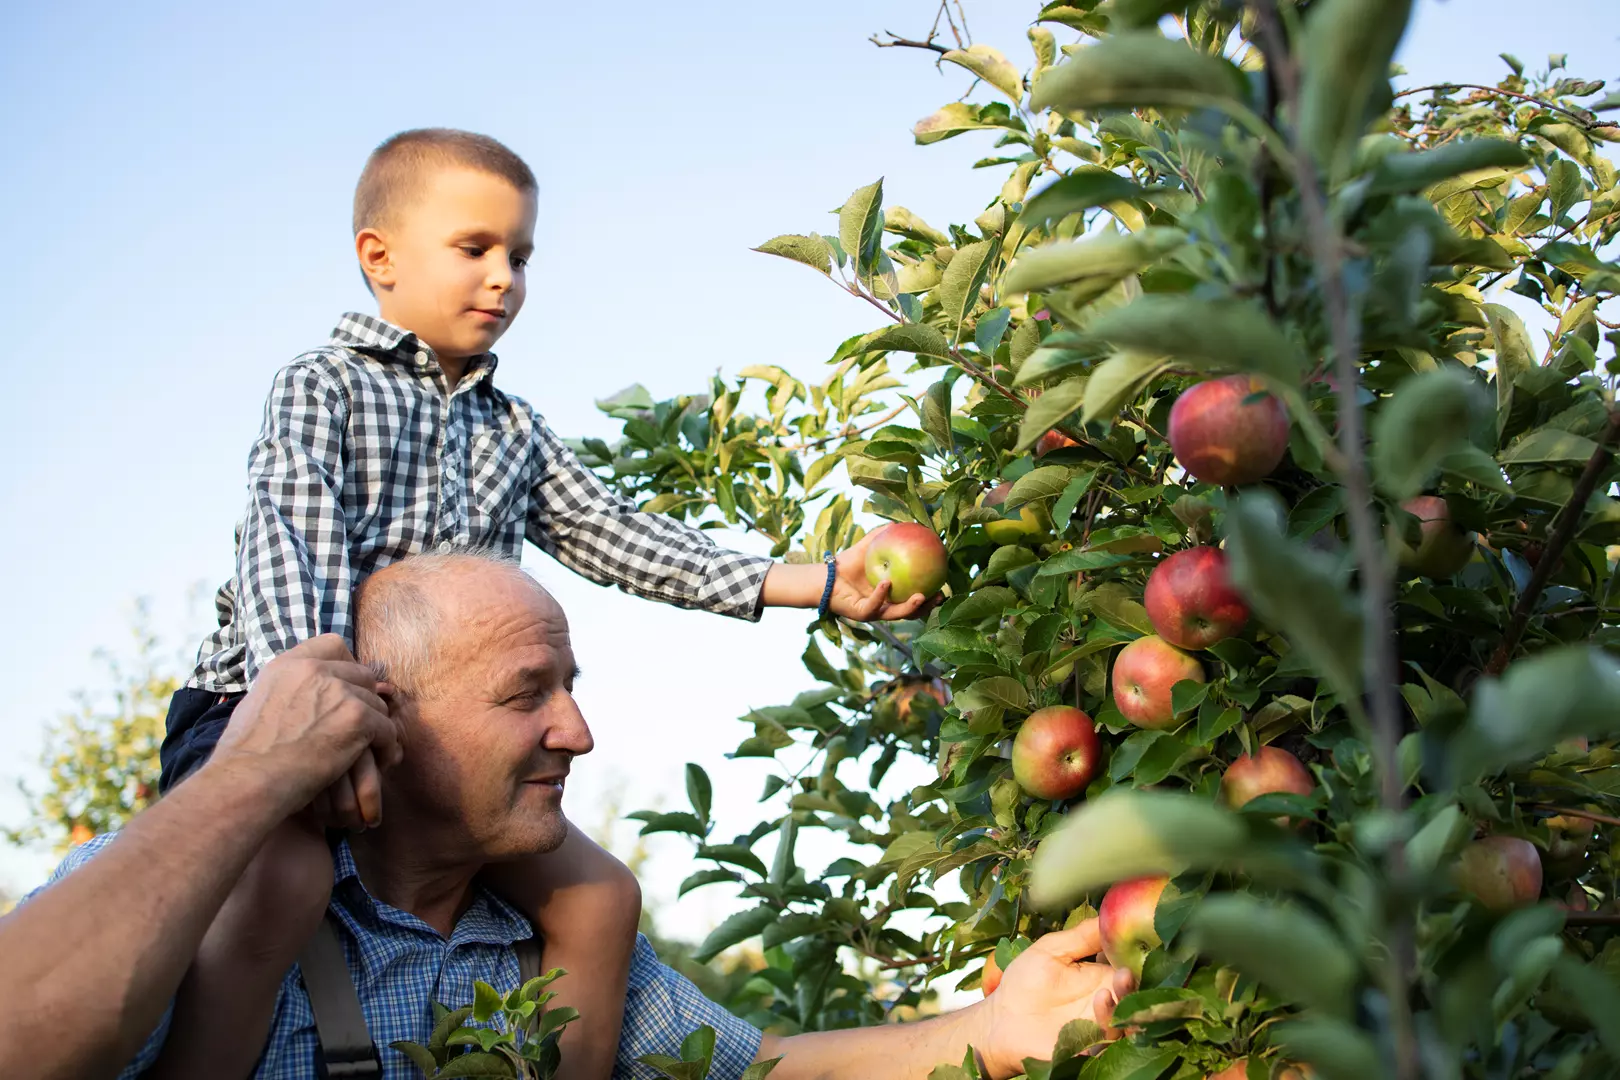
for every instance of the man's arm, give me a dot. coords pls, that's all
(601, 535)
(1045, 988)
(108, 944)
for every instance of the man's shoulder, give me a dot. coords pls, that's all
(77, 856)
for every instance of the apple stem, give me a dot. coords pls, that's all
(1564, 531)
(1378, 637)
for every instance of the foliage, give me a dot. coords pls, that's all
(101, 762)
(519, 1041)
(1251, 199)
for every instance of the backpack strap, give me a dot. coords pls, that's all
(344, 1049)
(528, 958)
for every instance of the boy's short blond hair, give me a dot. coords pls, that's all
(394, 171)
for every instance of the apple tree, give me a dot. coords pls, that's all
(1266, 411)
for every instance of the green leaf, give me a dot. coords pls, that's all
(1549, 446)
(699, 1046)
(1475, 466)
(1118, 380)
(860, 226)
(1045, 362)
(477, 1063)
(1415, 171)
(1049, 410)
(1086, 187)
(1224, 335)
(1338, 1050)
(1125, 833)
(959, 116)
(1540, 700)
(1298, 590)
(1064, 507)
(673, 821)
(1128, 1060)
(1133, 70)
(907, 337)
(420, 1056)
(999, 690)
(991, 325)
(706, 877)
(759, 1070)
(1281, 944)
(1513, 356)
(810, 250)
(982, 603)
(486, 1002)
(736, 929)
(1044, 482)
(673, 1068)
(1344, 68)
(1565, 187)
(447, 1023)
(782, 864)
(989, 65)
(1106, 255)
(735, 854)
(935, 405)
(958, 290)
(1159, 1003)
(1429, 416)
(699, 791)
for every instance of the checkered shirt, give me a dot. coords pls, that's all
(401, 966)
(365, 456)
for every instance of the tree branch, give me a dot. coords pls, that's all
(1378, 637)
(1563, 532)
(1577, 117)
(896, 42)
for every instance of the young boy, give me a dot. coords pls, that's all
(389, 440)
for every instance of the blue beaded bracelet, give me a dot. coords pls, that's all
(831, 559)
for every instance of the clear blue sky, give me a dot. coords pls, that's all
(176, 185)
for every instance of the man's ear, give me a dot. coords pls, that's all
(376, 258)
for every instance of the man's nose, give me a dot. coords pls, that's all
(566, 730)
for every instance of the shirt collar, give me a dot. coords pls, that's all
(359, 331)
(488, 920)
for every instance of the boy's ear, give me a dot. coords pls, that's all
(376, 259)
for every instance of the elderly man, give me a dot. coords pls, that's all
(482, 673)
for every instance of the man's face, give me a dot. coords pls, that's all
(490, 741)
(452, 271)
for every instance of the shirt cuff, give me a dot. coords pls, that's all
(736, 585)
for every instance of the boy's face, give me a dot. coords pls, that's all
(449, 268)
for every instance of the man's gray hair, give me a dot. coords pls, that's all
(396, 622)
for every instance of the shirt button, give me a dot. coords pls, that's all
(444, 547)
(421, 356)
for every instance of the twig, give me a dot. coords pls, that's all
(848, 432)
(1586, 815)
(1591, 918)
(1562, 533)
(1378, 638)
(1577, 117)
(895, 42)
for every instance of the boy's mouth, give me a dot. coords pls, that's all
(492, 314)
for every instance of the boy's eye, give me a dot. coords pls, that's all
(472, 251)
(519, 262)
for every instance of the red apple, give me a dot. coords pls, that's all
(992, 975)
(1501, 872)
(1272, 769)
(910, 556)
(1126, 921)
(1444, 548)
(1191, 600)
(1144, 672)
(1056, 753)
(1221, 440)
(1052, 440)
(1009, 530)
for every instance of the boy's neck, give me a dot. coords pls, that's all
(454, 367)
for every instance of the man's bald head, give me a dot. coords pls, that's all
(400, 612)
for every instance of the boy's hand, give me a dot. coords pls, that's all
(856, 598)
(354, 801)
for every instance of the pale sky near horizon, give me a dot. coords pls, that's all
(176, 189)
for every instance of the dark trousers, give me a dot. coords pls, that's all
(196, 719)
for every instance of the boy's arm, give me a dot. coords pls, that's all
(586, 905)
(293, 580)
(601, 535)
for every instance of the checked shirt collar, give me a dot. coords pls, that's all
(371, 334)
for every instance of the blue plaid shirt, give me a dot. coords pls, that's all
(401, 965)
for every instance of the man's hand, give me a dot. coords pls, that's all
(312, 714)
(1048, 985)
(855, 598)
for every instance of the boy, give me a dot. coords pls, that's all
(389, 440)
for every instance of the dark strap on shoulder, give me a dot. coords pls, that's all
(528, 958)
(345, 1048)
